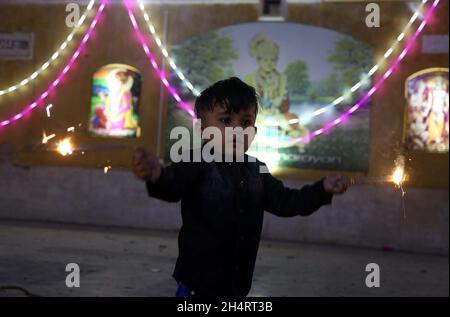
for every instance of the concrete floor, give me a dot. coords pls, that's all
(119, 262)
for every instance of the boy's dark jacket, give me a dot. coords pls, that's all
(222, 206)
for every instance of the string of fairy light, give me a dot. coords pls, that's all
(368, 75)
(65, 70)
(164, 51)
(183, 78)
(54, 56)
(307, 117)
(329, 125)
(186, 105)
(159, 72)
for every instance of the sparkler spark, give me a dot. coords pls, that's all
(47, 109)
(106, 169)
(65, 147)
(46, 138)
(398, 176)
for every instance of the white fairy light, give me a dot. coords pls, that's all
(54, 55)
(164, 50)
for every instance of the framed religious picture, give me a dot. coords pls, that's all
(114, 112)
(426, 116)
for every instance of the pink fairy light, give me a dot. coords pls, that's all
(149, 55)
(403, 54)
(55, 83)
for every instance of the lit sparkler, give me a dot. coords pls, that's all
(65, 147)
(46, 138)
(398, 176)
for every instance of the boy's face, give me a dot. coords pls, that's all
(237, 130)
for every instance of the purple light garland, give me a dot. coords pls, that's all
(160, 73)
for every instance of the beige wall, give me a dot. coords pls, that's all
(114, 42)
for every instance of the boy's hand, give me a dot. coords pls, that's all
(337, 184)
(146, 166)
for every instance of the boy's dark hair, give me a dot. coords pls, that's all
(232, 94)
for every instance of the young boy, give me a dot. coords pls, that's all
(222, 203)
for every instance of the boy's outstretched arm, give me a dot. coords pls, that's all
(288, 202)
(166, 183)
